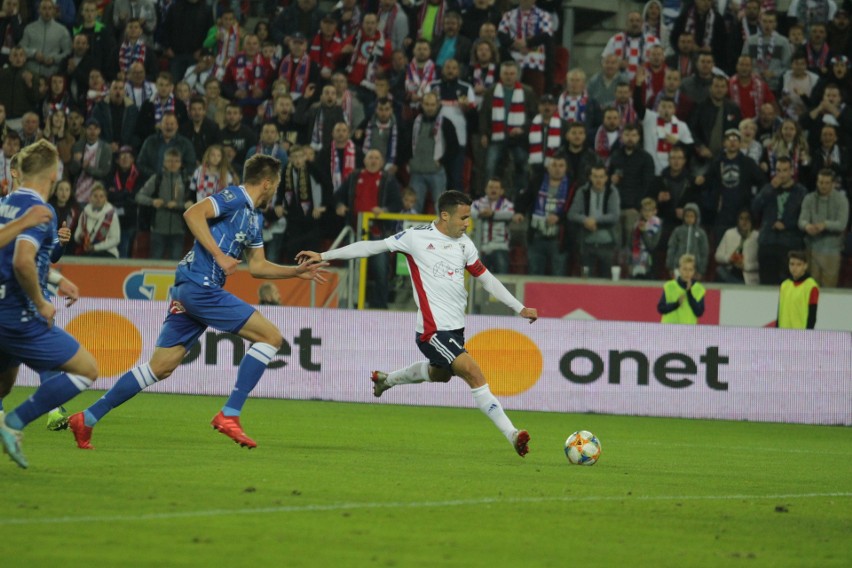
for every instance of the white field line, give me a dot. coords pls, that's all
(333, 507)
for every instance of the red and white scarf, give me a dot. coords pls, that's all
(418, 79)
(340, 172)
(539, 150)
(602, 146)
(573, 108)
(94, 96)
(626, 112)
(665, 129)
(249, 72)
(484, 75)
(297, 80)
(503, 119)
(390, 19)
(755, 88)
(817, 60)
(346, 105)
(130, 53)
(709, 20)
(83, 189)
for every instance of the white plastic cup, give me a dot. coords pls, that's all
(616, 273)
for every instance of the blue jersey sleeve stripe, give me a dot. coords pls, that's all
(254, 246)
(36, 243)
(215, 205)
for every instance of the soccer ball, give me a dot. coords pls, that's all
(582, 448)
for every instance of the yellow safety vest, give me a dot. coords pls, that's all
(793, 303)
(684, 313)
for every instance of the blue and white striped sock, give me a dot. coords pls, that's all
(251, 369)
(131, 383)
(53, 392)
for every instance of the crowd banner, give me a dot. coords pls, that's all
(556, 365)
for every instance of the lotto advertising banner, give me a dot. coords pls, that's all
(552, 365)
(153, 283)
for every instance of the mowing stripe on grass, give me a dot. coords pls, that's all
(403, 505)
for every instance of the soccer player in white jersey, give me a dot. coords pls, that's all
(438, 254)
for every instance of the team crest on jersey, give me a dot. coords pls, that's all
(176, 308)
(228, 195)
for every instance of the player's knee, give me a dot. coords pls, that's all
(89, 368)
(274, 338)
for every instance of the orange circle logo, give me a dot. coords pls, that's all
(511, 361)
(111, 338)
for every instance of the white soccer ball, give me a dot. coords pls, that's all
(582, 448)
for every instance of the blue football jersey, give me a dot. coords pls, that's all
(237, 225)
(15, 305)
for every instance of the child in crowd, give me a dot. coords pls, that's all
(644, 240)
(493, 214)
(689, 238)
(799, 295)
(683, 297)
(212, 175)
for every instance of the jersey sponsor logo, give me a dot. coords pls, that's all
(228, 195)
(445, 270)
(176, 308)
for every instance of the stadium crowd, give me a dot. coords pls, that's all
(702, 129)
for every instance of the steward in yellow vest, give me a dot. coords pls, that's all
(683, 298)
(799, 296)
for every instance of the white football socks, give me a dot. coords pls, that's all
(490, 406)
(414, 373)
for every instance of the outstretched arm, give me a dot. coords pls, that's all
(496, 289)
(361, 249)
(262, 268)
(196, 219)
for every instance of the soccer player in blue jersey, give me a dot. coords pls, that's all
(27, 333)
(225, 225)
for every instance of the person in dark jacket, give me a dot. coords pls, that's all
(184, 31)
(631, 170)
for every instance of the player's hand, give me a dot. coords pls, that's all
(308, 256)
(529, 313)
(37, 215)
(312, 270)
(227, 263)
(64, 234)
(47, 311)
(69, 290)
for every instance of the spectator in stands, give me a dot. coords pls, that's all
(527, 31)
(212, 176)
(601, 87)
(478, 13)
(223, 39)
(432, 138)
(579, 155)
(672, 89)
(631, 46)
(799, 295)
(504, 121)
(789, 141)
(137, 88)
(353, 108)
(297, 69)
(197, 75)
(706, 25)
(768, 122)
(340, 158)
(285, 121)
(117, 116)
(545, 134)
(644, 240)
(99, 231)
(748, 144)
(824, 217)
(216, 104)
(168, 194)
(57, 98)
(101, 40)
(683, 297)
(457, 98)
(371, 190)
(839, 32)
(493, 212)
(268, 294)
(321, 118)
(652, 18)
(66, 207)
(248, 77)
(325, 47)
(150, 159)
(831, 110)
(46, 42)
(184, 30)
(778, 206)
(689, 238)
(817, 51)
(11, 146)
(608, 135)
(575, 104)
(20, 88)
(632, 170)
(430, 19)
(269, 145)
(451, 45)
(770, 52)
(11, 28)
(797, 85)
(729, 183)
(301, 16)
(141, 10)
(736, 255)
(674, 189)
(697, 85)
(594, 212)
(655, 74)
(545, 205)
(349, 17)
(393, 21)
(125, 183)
(97, 93)
(747, 90)
(683, 58)
(91, 161)
(829, 154)
(306, 204)
(382, 133)
(748, 24)
(419, 76)
(712, 120)
(236, 137)
(201, 131)
(367, 53)
(661, 129)
(809, 12)
(56, 132)
(152, 110)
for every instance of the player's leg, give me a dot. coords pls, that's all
(57, 419)
(469, 370)
(266, 340)
(436, 369)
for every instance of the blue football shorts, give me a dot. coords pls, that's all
(443, 347)
(36, 345)
(194, 308)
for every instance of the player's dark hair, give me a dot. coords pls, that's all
(260, 167)
(451, 199)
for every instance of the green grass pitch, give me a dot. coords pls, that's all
(343, 485)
